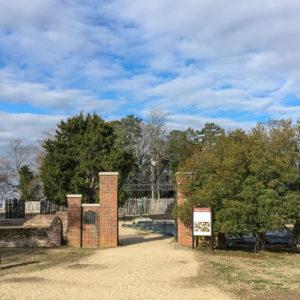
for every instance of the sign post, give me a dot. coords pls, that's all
(203, 224)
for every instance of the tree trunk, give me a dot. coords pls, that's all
(296, 233)
(158, 188)
(262, 240)
(221, 240)
(256, 243)
(152, 182)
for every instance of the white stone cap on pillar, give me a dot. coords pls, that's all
(108, 173)
(74, 196)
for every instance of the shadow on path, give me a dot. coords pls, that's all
(127, 240)
(19, 265)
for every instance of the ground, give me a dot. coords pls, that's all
(148, 266)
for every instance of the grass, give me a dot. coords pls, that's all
(23, 260)
(266, 275)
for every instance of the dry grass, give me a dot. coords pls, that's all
(23, 260)
(263, 276)
(266, 275)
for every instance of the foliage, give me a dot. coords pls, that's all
(251, 180)
(28, 186)
(210, 131)
(128, 132)
(181, 143)
(146, 141)
(82, 147)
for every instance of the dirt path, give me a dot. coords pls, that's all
(146, 266)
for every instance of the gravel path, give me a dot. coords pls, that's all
(146, 266)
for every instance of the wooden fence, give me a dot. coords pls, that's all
(151, 206)
(32, 207)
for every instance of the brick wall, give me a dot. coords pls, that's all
(74, 220)
(63, 215)
(184, 233)
(91, 232)
(108, 182)
(80, 233)
(104, 231)
(47, 233)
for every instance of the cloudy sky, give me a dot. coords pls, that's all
(230, 62)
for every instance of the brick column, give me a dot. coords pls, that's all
(74, 220)
(90, 232)
(108, 182)
(184, 233)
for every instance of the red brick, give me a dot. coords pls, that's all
(74, 220)
(108, 209)
(184, 233)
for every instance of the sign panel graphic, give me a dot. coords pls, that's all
(202, 221)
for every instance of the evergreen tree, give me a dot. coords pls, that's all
(82, 147)
(28, 186)
(251, 180)
(180, 143)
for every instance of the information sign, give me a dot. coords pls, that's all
(89, 217)
(202, 221)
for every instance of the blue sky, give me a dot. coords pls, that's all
(229, 62)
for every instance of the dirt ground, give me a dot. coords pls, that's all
(145, 266)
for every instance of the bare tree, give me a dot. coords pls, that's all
(154, 134)
(40, 152)
(10, 165)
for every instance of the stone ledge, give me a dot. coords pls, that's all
(108, 173)
(74, 196)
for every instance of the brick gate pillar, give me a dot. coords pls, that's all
(184, 234)
(108, 186)
(74, 220)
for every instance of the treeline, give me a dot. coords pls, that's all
(68, 159)
(250, 179)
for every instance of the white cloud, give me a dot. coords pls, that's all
(182, 122)
(41, 95)
(190, 58)
(27, 127)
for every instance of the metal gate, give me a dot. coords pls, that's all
(14, 209)
(139, 204)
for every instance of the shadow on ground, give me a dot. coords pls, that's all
(128, 240)
(26, 280)
(19, 265)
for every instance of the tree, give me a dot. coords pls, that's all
(128, 132)
(10, 166)
(210, 131)
(82, 147)
(129, 136)
(28, 186)
(180, 143)
(154, 134)
(250, 179)
(157, 152)
(146, 141)
(177, 147)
